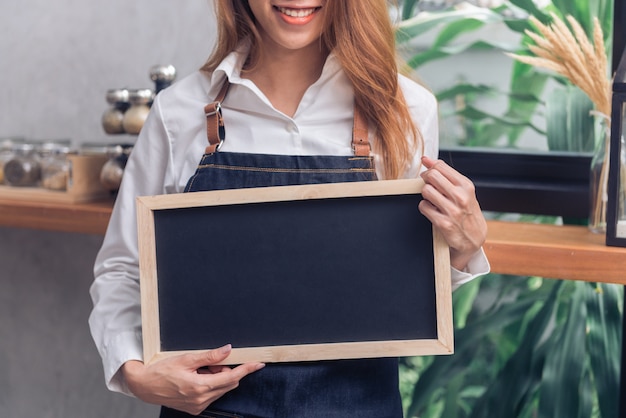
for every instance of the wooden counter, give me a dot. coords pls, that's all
(551, 251)
(87, 218)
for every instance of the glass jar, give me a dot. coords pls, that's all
(140, 102)
(55, 167)
(113, 117)
(6, 152)
(113, 170)
(598, 178)
(23, 168)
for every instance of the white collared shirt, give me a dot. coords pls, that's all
(167, 153)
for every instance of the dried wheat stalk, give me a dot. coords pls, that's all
(571, 54)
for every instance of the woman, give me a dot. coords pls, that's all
(296, 81)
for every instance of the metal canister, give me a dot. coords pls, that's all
(163, 76)
(113, 117)
(140, 102)
(113, 170)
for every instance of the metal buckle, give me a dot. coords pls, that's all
(218, 109)
(220, 123)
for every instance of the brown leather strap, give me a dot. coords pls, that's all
(215, 130)
(360, 136)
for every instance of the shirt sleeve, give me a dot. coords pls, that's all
(424, 111)
(477, 266)
(115, 321)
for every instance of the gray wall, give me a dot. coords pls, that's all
(57, 60)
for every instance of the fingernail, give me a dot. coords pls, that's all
(260, 366)
(226, 349)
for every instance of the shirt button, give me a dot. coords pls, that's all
(292, 128)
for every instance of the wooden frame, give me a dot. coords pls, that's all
(152, 208)
(615, 222)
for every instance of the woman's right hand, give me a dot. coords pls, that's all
(189, 382)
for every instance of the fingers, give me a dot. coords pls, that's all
(211, 387)
(439, 166)
(449, 202)
(187, 382)
(213, 369)
(449, 197)
(226, 376)
(447, 190)
(220, 376)
(207, 358)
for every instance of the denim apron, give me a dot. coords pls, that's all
(363, 388)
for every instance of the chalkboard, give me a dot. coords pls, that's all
(294, 273)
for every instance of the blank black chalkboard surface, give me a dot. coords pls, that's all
(294, 273)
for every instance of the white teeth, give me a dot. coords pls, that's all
(296, 12)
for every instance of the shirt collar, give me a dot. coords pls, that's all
(230, 68)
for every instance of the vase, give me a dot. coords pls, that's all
(599, 176)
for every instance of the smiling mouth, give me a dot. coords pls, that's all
(299, 13)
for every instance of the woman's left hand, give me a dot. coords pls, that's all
(450, 204)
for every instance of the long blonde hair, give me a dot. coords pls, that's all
(360, 34)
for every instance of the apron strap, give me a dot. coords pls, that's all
(360, 140)
(216, 132)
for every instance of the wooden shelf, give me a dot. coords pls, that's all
(551, 251)
(87, 218)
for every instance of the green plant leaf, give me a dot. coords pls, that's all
(524, 80)
(507, 394)
(564, 366)
(451, 398)
(570, 126)
(464, 89)
(456, 29)
(463, 300)
(432, 54)
(439, 371)
(407, 8)
(586, 395)
(529, 6)
(424, 22)
(604, 319)
(578, 9)
(477, 114)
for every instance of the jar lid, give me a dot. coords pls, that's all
(8, 141)
(23, 147)
(54, 146)
(119, 149)
(94, 148)
(140, 96)
(116, 96)
(163, 73)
